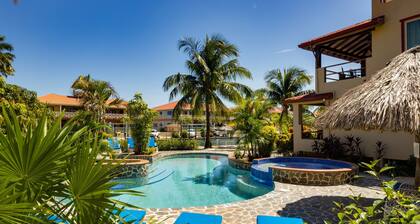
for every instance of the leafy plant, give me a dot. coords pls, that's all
(177, 144)
(352, 145)
(184, 134)
(47, 169)
(396, 207)
(6, 58)
(330, 146)
(253, 123)
(175, 135)
(141, 119)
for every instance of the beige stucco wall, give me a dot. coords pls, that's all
(386, 39)
(399, 145)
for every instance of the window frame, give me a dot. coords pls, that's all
(404, 29)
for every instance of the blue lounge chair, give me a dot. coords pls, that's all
(263, 219)
(133, 216)
(113, 143)
(196, 218)
(130, 143)
(152, 142)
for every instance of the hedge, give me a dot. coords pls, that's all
(177, 144)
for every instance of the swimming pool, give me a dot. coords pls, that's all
(191, 180)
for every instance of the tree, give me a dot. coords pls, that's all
(95, 95)
(24, 103)
(6, 58)
(141, 119)
(284, 84)
(254, 122)
(213, 69)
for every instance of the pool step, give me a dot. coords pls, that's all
(248, 185)
(262, 175)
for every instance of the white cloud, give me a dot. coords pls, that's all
(283, 51)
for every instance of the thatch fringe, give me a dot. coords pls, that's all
(389, 100)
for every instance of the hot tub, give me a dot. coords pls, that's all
(303, 170)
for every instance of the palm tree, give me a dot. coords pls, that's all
(95, 95)
(284, 84)
(213, 69)
(6, 58)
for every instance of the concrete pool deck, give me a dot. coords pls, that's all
(312, 203)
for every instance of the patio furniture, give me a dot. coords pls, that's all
(264, 219)
(113, 143)
(196, 218)
(133, 216)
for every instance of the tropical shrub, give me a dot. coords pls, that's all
(330, 146)
(253, 122)
(141, 119)
(177, 144)
(124, 145)
(184, 134)
(396, 207)
(285, 143)
(46, 163)
(175, 135)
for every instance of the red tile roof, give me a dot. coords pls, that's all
(170, 106)
(364, 25)
(56, 99)
(309, 97)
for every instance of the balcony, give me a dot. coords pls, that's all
(108, 116)
(344, 71)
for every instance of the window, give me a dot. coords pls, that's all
(307, 116)
(413, 33)
(169, 113)
(410, 32)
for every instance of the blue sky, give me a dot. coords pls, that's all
(133, 43)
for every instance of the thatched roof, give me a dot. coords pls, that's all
(389, 100)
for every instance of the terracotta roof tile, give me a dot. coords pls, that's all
(170, 106)
(56, 99)
(309, 97)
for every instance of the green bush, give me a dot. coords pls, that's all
(184, 134)
(177, 144)
(124, 145)
(175, 135)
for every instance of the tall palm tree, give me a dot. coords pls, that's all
(213, 69)
(95, 95)
(284, 84)
(6, 58)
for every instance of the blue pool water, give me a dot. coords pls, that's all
(191, 180)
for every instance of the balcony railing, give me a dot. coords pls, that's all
(344, 71)
(110, 116)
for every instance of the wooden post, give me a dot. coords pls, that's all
(417, 175)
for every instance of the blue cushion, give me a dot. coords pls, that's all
(263, 219)
(196, 218)
(133, 216)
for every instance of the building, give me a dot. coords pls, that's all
(69, 105)
(166, 120)
(364, 48)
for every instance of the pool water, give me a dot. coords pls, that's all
(191, 180)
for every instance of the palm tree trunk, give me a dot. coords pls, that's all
(417, 175)
(207, 143)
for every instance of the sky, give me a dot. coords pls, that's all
(133, 43)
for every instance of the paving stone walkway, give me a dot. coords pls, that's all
(312, 203)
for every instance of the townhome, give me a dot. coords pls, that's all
(363, 49)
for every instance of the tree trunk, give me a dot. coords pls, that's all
(417, 175)
(207, 143)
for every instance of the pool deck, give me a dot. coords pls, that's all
(312, 203)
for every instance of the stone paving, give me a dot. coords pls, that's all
(312, 203)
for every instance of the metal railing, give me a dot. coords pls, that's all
(344, 71)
